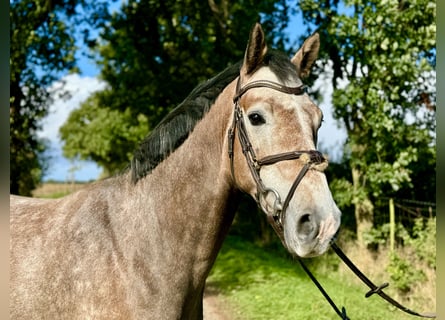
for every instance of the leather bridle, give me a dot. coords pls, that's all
(310, 158)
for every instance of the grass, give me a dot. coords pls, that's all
(258, 284)
(56, 189)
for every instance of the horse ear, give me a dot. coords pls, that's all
(255, 51)
(306, 55)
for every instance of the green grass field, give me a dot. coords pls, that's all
(258, 284)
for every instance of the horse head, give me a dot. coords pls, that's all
(272, 146)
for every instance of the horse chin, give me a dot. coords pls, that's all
(316, 244)
(307, 250)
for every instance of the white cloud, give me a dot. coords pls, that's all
(60, 168)
(80, 88)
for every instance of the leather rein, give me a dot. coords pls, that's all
(311, 159)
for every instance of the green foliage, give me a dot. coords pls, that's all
(41, 48)
(424, 240)
(342, 192)
(383, 57)
(403, 274)
(417, 253)
(33, 25)
(94, 126)
(379, 236)
(153, 53)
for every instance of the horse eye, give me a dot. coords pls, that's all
(256, 119)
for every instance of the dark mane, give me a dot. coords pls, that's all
(175, 128)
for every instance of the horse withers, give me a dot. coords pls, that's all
(141, 244)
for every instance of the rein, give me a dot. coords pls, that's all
(310, 158)
(374, 289)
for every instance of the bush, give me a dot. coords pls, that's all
(379, 236)
(403, 273)
(418, 253)
(424, 240)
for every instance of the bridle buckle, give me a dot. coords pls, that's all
(277, 208)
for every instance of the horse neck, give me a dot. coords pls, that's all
(194, 182)
(198, 171)
(186, 205)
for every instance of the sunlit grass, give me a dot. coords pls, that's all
(262, 285)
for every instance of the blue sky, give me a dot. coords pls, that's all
(81, 86)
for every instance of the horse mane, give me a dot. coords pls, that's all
(175, 128)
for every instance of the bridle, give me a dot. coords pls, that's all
(310, 158)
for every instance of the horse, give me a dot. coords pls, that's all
(140, 244)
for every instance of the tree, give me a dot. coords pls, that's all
(385, 51)
(94, 126)
(42, 47)
(152, 54)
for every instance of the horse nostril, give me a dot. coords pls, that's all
(306, 227)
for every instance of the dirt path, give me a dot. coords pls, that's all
(214, 306)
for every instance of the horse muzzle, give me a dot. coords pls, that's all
(310, 234)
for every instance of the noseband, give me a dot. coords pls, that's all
(310, 158)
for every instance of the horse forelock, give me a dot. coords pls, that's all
(280, 65)
(175, 128)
